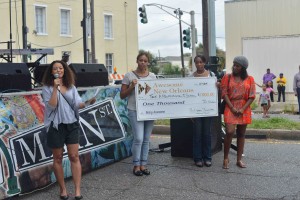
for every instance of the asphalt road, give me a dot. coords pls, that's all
(272, 173)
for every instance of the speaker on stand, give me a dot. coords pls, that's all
(90, 74)
(38, 74)
(14, 77)
(182, 137)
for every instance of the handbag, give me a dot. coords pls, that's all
(223, 103)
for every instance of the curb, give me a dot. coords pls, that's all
(278, 134)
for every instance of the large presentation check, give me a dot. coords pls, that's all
(176, 98)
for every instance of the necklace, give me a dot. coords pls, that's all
(201, 74)
(142, 73)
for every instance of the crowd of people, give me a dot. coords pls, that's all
(62, 102)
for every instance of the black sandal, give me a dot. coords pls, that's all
(78, 197)
(138, 173)
(145, 171)
(66, 197)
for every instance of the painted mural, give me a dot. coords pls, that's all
(26, 161)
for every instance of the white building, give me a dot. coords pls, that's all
(267, 32)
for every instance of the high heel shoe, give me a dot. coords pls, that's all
(64, 197)
(225, 164)
(241, 164)
(78, 197)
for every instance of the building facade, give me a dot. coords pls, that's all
(266, 32)
(57, 24)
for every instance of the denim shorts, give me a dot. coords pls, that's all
(66, 134)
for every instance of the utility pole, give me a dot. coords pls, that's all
(93, 31)
(83, 24)
(10, 35)
(179, 13)
(205, 29)
(212, 28)
(194, 35)
(126, 35)
(24, 29)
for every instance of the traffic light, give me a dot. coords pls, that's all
(187, 38)
(143, 14)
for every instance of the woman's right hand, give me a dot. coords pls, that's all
(133, 83)
(56, 82)
(234, 111)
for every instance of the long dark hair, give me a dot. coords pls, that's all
(68, 78)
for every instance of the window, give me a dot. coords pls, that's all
(108, 34)
(89, 24)
(109, 62)
(65, 28)
(40, 19)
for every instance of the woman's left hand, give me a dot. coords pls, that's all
(90, 101)
(240, 111)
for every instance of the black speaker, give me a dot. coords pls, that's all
(90, 74)
(14, 77)
(182, 137)
(38, 73)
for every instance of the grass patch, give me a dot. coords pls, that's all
(162, 122)
(274, 123)
(253, 105)
(271, 123)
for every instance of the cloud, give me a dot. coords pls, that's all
(161, 33)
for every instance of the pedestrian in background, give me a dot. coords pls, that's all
(268, 81)
(238, 94)
(270, 90)
(281, 82)
(264, 101)
(141, 129)
(202, 125)
(296, 88)
(62, 102)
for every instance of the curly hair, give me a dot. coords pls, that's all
(143, 53)
(68, 79)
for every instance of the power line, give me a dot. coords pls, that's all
(158, 30)
(57, 45)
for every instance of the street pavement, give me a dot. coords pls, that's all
(272, 173)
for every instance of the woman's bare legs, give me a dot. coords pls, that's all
(230, 129)
(75, 166)
(58, 170)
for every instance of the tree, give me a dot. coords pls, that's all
(154, 69)
(220, 53)
(168, 69)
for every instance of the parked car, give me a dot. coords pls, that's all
(159, 76)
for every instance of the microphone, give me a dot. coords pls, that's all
(56, 76)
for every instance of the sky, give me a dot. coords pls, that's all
(161, 34)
